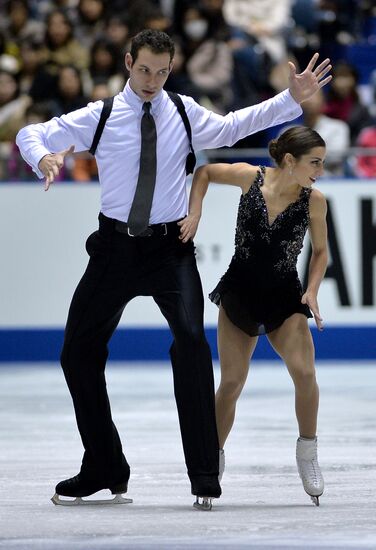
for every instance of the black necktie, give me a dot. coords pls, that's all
(139, 215)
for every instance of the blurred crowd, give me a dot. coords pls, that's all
(56, 56)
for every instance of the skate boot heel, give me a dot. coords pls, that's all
(205, 488)
(309, 469)
(119, 488)
(203, 503)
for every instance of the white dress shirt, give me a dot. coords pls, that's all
(118, 152)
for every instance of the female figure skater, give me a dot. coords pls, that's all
(261, 293)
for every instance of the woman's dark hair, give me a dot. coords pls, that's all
(156, 41)
(297, 141)
(103, 43)
(67, 21)
(76, 71)
(11, 4)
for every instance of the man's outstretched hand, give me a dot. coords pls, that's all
(304, 85)
(51, 164)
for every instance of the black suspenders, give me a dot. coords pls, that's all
(190, 163)
(176, 99)
(106, 111)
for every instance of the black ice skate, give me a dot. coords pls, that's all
(78, 487)
(205, 488)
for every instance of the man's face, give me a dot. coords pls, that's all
(148, 74)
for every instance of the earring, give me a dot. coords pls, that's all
(290, 172)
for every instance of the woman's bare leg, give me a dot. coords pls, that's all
(235, 350)
(293, 342)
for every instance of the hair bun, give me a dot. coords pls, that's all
(273, 149)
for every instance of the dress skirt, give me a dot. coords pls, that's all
(258, 304)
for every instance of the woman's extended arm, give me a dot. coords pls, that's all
(319, 257)
(239, 174)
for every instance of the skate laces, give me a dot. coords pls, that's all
(308, 463)
(311, 470)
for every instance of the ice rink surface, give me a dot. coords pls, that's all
(263, 505)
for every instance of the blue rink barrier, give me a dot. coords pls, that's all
(152, 344)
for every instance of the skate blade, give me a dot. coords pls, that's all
(204, 505)
(315, 500)
(79, 501)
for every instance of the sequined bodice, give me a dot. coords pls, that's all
(275, 247)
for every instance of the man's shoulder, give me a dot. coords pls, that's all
(187, 100)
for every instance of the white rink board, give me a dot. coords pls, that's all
(42, 238)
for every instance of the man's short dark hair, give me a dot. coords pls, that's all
(156, 41)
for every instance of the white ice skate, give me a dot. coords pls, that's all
(221, 464)
(309, 469)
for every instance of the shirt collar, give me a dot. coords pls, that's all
(135, 102)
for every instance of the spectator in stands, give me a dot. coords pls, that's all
(335, 133)
(36, 78)
(264, 21)
(213, 10)
(118, 30)
(105, 64)
(365, 165)
(33, 55)
(259, 40)
(337, 22)
(63, 47)
(178, 80)
(70, 95)
(100, 89)
(17, 169)
(41, 8)
(208, 60)
(137, 10)
(90, 21)
(12, 106)
(19, 25)
(343, 100)
(7, 61)
(157, 20)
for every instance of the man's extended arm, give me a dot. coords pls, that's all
(76, 129)
(211, 130)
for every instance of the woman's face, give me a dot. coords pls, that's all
(69, 82)
(58, 29)
(18, 15)
(117, 31)
(31, 58)
(102, 58)
(195, 25)
(309, 167)
(8, 88)
(92, 9)
(344, 84)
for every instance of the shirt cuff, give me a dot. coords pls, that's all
(294, 105)
(38, 153)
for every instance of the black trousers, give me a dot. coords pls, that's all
(120, 268)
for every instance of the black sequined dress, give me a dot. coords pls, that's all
(261, 287)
